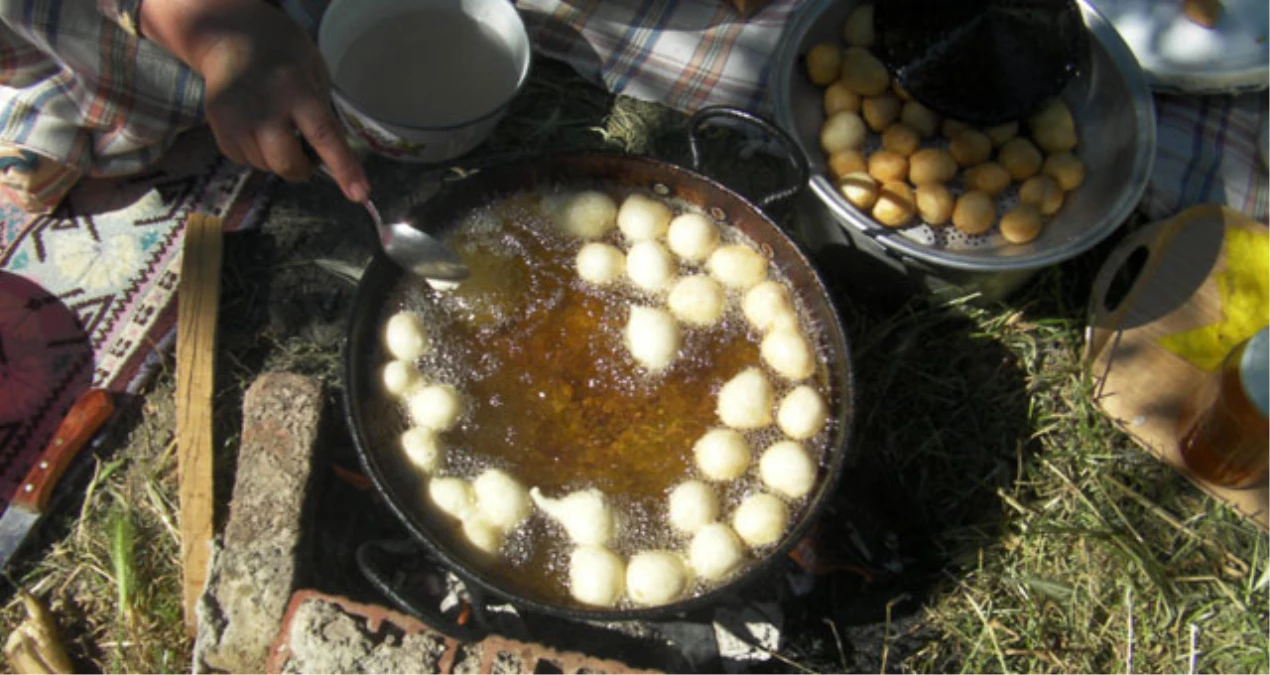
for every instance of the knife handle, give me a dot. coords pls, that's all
(85, 417)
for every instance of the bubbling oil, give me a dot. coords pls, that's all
(553, 397)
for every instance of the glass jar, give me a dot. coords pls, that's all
(1224, 429)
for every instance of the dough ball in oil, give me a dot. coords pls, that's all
(691, 506)
(1021, 224)
(715, 552)
(860, 189)
(894, 207)
(934, 203)
(597, 576)
(423, 448)
(697, 300)
(722, 454)
(843, 130)
(974, 213)
(484, 536)
(824, 62)
(452, 496)
(692, 236)
(745, 401)
(642, 218)
(501, 499)
(649, 266)
(788, 352)
(760, 520)
(1042, 192)
(401, 377)
(737, 266)
(653, 337)
(584, 514)
(436, 406)
(765, 303)
(786, 469)
(406, 336)
(802, 413)
(655, 578)
(600, 264)
(588, 214)
(863, 73)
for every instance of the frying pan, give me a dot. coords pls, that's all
(400, 485)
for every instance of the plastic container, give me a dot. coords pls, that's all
(1224, 428)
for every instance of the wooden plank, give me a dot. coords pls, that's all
(197, 303)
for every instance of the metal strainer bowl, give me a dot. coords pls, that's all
(1115, 120)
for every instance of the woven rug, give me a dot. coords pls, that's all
(88, 293)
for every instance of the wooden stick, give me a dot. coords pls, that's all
(197, 304)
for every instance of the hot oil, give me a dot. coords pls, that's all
(553, 397)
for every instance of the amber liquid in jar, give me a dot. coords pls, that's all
(1225, 432)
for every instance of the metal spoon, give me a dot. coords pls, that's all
(411, 248)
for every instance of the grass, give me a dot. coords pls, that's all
(1010, 525)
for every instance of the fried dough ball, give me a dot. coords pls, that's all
(765, 303)
(1042, 192)
(824, 61)
(641, 218)
(1020, 158)
(931, 165)
(585, 515)
(483, 535)
(692, 236)
(655, 577)
(846, 162)
(760, 519)
(974, 212)
(1021, 224)
(858, 29)
(901, 139)
(839, 98)
(722, 454)
(970, 147)
(406, 337)
(934, 203)
(860, 189)
(697, 300)
(894, 207)
(880, 111)
(737, 266)
(597, 576)
(588, 214)
(745, 401)
(600, 263)
(692, 506)
(843, 130)
(950, 127)
(786, 468)
(501, 499)
(887, 166)
(1053, 127)
(989, 177)
(863, 73)
(653, 337)
(802, 413)
(649, 266)
(423, 448)
(715, 552)
(436, 406)
(1001, 133)
(789, 353)
(1066, 169)
(401, 377)
(452, 496)
(921, 118)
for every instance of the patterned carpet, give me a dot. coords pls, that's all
(88, 293)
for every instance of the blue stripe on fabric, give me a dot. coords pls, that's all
(645, 49)
(1214, 167)
(1197, 150)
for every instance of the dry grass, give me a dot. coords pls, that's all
(1034, 535)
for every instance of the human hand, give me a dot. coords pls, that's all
(265, 80)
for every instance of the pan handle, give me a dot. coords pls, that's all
(790, 149)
